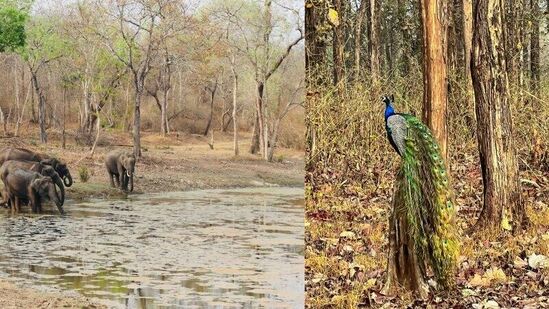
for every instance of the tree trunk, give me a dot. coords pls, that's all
(235, 89)
(260, 121)
(435, 82)
(41, 108)
(339, 45)
(139, 86)
(373, 40)
(164, 114)
(315, 45)
(358, 37)
(534, 50)
(494, 123)
(212, 97)
(254, 147)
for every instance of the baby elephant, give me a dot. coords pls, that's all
(22, 185)
(120, 165)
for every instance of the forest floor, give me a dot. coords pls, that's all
(177, 162)
(346, 237)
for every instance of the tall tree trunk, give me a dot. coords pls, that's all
(494, 123)
(339, 45)
(373, 40)
(212, 98)
(235, 122)
(534, 50)
(41, 108)
(467, 41)
(139, 87)
(254, 146)
(361, 14)
(435, 82)
(315, 45)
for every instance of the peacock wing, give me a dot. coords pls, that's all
(398, 130)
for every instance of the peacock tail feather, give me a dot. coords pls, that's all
(423, 187)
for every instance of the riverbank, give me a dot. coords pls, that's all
(15, 297)
(178, 162)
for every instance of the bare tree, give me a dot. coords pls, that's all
(143, 27)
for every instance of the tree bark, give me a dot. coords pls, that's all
(339, 45)
(361, 14)
(315, 46)
(254, 146)
(534, 50)
(41, 107)
(235, 89)
(435, 82)
(373, 39)
(494, 123)
(139, 87)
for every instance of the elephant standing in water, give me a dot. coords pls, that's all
(22, 185)
(44, 170)
(120, 165)
(21, 154)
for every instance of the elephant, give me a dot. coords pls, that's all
(120, 165)
(22, 154)
(44, 170)
(23, 185)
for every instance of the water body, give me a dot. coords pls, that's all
(240, 248)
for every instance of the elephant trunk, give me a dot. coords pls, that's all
(59, 183)
(57, 200)
(67, 179)
(131, 182)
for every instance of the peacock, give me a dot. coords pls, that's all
(422, 194)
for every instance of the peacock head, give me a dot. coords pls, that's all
(389, 110)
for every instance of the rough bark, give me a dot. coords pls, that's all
(373, 39)
(494, 123)
(235, 122)
(435, 81)
(41, 107)
(361, 14)
(339, 45)
(535, 50)
(315, 46)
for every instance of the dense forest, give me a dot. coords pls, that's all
(476, 73)
(78, 69)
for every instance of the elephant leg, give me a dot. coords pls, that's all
(111, 175)
(16, 204)
(117, 179)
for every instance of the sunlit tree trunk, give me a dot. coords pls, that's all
(494, 123)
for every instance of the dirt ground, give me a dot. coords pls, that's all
(177, 162)
(14, 297)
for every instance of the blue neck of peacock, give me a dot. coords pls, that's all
(389, 111)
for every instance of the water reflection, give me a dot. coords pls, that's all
(218, 249)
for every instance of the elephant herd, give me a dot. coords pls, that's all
(33, 178)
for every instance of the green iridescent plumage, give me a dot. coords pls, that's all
(423, 192)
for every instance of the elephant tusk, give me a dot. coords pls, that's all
(127, 173)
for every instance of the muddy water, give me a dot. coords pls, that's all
(205, 249)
